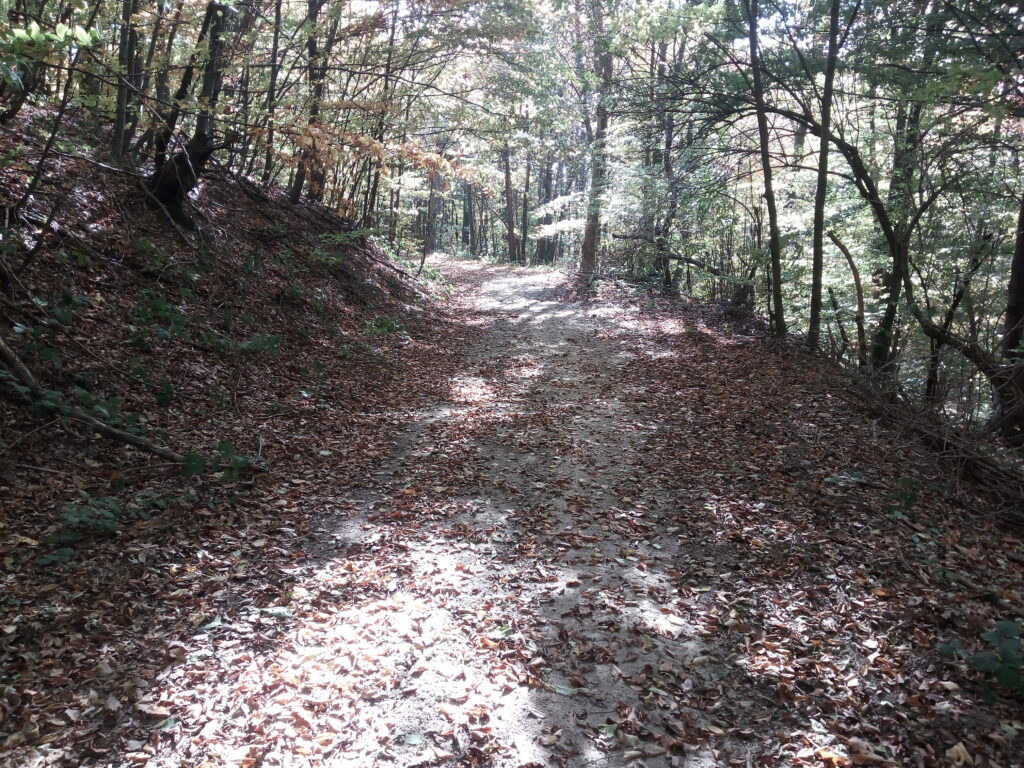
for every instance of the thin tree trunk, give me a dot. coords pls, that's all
(526, 212)
(862, 341)
(510, 208)
(774, 240)
(275, 67)
(818, 255)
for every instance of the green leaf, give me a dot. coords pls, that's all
(194, 464)
(1008, 629)
(169, 723)
(986, 662)
(1010, 678)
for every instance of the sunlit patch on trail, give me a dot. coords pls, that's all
(472, 390)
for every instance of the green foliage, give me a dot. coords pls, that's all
(102, 516)
(224, 459)
(63, 310)
(20, 46)
(107, 409)
(1004, 659)
(383, 325)
(259, 343)
(904, 497)
(254, 345)
(153, 311)
(252, 262)
(341, 239)
(293, 293)
(163, 391)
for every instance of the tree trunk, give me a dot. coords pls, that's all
(526, 212)
(543, 253)
(598, 164)
(510, 208)
(818, 255)
(275, 67)
(127, 43)
(1013, 328)
(862, 342)
(433, 209)
(774, 240)
(310, 165)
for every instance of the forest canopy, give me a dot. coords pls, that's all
(849, 168)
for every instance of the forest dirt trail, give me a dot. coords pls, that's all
(535, 621)
(631, 534)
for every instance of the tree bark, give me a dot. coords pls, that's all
(510, 208)
(526, 213)
(1013, 328)
(598, 162)
(818, 246)
(774, 239)
(275, 67)
(862, 339)
(127, 43)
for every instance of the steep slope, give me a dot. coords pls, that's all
(277, 336)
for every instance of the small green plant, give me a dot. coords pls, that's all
(165, 320)
(100, 516)
(383, 325)
(904, 497)
(432, 273)
(107, 409)
(225, 460)
(1004, 661)
(346, 238)
(318, 372)
(260, 342)
(163, 391)
(252, 262)
(76, 258)
(293, 293)
(63, 310)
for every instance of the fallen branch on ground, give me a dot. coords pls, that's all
(38, 397)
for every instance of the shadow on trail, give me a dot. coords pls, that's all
(596, 551)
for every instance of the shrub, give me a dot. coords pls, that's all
(1004, 660)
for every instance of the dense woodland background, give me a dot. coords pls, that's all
(271, 250)
(851, 169)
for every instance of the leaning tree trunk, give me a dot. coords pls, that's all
(172, 181)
